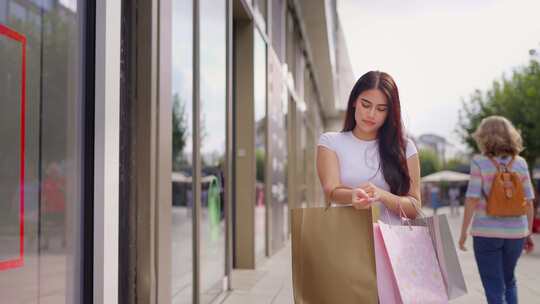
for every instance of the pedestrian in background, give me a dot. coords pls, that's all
(435, 195)
(453, 195)
(498, 241)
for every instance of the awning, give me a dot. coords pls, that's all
(445, 176)
(179, 177)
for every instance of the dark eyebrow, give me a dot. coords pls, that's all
(378, 105)
(365, 99)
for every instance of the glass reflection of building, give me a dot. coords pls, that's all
(260, 143)
(41, 134)
(212, 146)
(182, 165)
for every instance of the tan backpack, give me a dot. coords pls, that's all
(506, 197)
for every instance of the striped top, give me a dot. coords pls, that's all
(482, 174)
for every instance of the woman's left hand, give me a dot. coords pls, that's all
(372, 191)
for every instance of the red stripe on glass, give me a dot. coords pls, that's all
(12, 34)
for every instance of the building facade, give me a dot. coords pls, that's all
(151, 147)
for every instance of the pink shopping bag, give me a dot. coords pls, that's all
(386, 282)
(414, 264)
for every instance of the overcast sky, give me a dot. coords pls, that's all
(439, 51)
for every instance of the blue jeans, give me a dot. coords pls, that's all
(496, 259)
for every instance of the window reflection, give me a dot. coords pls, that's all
(52, 120)
(277, 131)
(261, 11)
(213, 126)
(260, 145)
(182, 118)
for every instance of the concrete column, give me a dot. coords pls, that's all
(245, 168)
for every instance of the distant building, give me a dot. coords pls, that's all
(435, 143)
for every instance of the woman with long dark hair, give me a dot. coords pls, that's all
(498, 239)
(371, 161)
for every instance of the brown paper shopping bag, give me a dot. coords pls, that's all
(333, 256)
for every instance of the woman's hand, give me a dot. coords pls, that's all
(365, 195)
(372, 191)
(529, 245)
(462, 240)
(360, 199)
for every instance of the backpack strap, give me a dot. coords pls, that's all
(495, 163)
(509, 165)
(481, 177)
(502, 167)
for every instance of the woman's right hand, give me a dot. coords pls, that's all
(462, 240)
(529, 245)
(360, 199)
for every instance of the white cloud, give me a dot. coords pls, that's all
(439, 51)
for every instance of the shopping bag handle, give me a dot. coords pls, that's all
(402, 216)
(423, 216)
(402, 212)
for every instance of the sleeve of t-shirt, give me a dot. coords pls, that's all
(326, 141)
(526, 181)
(474, 189)
(411, 148)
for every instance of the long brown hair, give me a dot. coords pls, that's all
(391, 138)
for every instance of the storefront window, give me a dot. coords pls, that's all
(260, 144)
(41, 131)
(182, 141)
(277, 131)
(212, 129)
(260, 10)
(278, 27)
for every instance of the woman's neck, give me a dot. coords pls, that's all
(364, 135)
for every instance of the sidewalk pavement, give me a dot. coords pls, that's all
(272, 281)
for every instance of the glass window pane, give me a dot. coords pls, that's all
(182, 141)
(277, 23)
(260, 8)
(277, 131)
(213, 126)
(260, 146)
(41, 158)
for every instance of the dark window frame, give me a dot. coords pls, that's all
(89, 55)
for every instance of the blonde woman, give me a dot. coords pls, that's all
(497, 241)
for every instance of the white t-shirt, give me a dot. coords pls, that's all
(359, 162)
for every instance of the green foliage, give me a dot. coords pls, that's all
(516, 98)
(179, 130)
(457, 164)
(429, 162)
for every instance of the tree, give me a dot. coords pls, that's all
(179, 130)
(457, 164)
(516, 98)
(429, 162)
